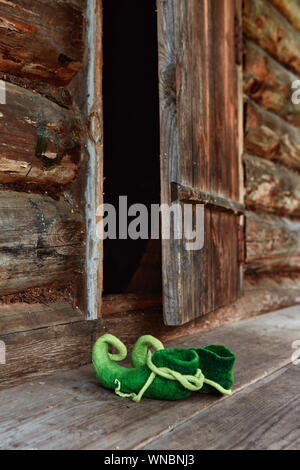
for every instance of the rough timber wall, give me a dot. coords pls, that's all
(41, 223)
(272, 136)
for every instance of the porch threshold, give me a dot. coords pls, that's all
(70, 410)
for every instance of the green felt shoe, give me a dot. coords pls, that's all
(167, 374)
(216, 363)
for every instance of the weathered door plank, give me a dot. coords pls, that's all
(200, 149)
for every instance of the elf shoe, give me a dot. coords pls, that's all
(143, 380)
(168, 374)
(216, 363)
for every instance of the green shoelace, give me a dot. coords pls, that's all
(193, 383)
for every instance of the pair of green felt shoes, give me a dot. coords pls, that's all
(167, 374)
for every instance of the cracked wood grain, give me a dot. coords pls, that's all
(42, 41)
(41, 241)
(39, 140)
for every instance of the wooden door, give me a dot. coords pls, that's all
(200, 154)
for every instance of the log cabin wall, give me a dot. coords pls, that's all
(50, 122)
(272, 137)
(41, 217)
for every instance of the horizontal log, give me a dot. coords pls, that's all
(48, 349)
(42, 339)
(41, 40)
(46, 295)
(290, 9)
(272, 32)
(269, 136)
(59, 95)
(40, 241)
(39, 140)
(269, 84)
(271, 187)
(19, 317)
(273, 244)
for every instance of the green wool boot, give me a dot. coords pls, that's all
(216, 363)
(168, 374)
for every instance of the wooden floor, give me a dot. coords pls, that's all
(70, 410)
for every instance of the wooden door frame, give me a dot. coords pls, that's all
(94, 168)
(94, 148)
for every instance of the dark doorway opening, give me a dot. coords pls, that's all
(131, 137)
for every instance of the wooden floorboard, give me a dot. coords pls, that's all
(70, 410)
(263, 416)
